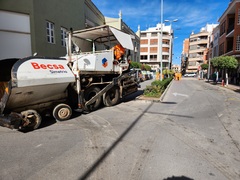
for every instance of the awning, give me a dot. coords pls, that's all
(123, 38)
(104, 34)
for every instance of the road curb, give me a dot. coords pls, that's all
(165, 91)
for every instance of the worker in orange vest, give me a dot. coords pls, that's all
(119, 51)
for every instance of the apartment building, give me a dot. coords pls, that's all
(214, 43)
(229, 40)
(198, 48)
(29, 26)
(176, 68)
(150, 45)
(229, 37)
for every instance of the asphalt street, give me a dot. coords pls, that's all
(192, 134)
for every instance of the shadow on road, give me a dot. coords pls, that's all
(177, 115)
(178, 178)
(132, 96)
(168, 102)
(47, 121)
(106, 153)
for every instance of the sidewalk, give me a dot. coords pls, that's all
(233, 87)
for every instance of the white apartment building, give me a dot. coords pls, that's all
(150, 43)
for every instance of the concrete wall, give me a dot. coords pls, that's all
(64, 13)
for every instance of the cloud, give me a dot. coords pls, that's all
(146, 13)
(190, 15)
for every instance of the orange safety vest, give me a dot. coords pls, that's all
(118, 51)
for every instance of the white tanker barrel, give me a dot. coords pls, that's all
(34, 83)
(37, 80)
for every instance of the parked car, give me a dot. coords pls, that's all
(138, 74)
(190, 75)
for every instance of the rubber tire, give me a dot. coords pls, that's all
(111, 97)
(37, 120)
(62, 112)
(88, 94)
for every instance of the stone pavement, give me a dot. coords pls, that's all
(233, 87)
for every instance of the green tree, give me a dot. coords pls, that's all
(141, 66)
(225, 63)
(204, 66)
(136, 64)
(165, 71)
(168, 72)
(147, 67)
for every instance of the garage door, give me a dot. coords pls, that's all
(15, 39)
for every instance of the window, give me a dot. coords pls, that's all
(50, 32)
(153, 49)
(144, 49)
(192, 63)
(153, 41)
(165, 49)
(63, 36)
(153, 57)
(154, 34)
(144, 41)
(165, 42)
(222, 28)
(238, 43)
(144, 57)
(221, 49)
(193, 47)
(165, 57)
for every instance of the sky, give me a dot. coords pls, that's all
(192, 15)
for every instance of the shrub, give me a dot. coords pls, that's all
(157, 88)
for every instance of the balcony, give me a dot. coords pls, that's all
(200, 41)
(192, 68)
(230, 31)
(198, 50)
(195, 58)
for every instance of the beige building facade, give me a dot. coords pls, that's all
(199, 48)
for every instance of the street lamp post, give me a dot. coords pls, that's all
(171, 40)
(171, 21)
(160, 47)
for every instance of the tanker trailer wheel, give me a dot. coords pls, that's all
(62, 112)
(111, 97)
(88, 94)
(31, 120)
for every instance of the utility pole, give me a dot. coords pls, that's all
(160, 48)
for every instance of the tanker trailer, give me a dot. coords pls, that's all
(30, 86)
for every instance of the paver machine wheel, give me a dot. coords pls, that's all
(62, 112)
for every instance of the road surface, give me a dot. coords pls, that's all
(193, 134)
